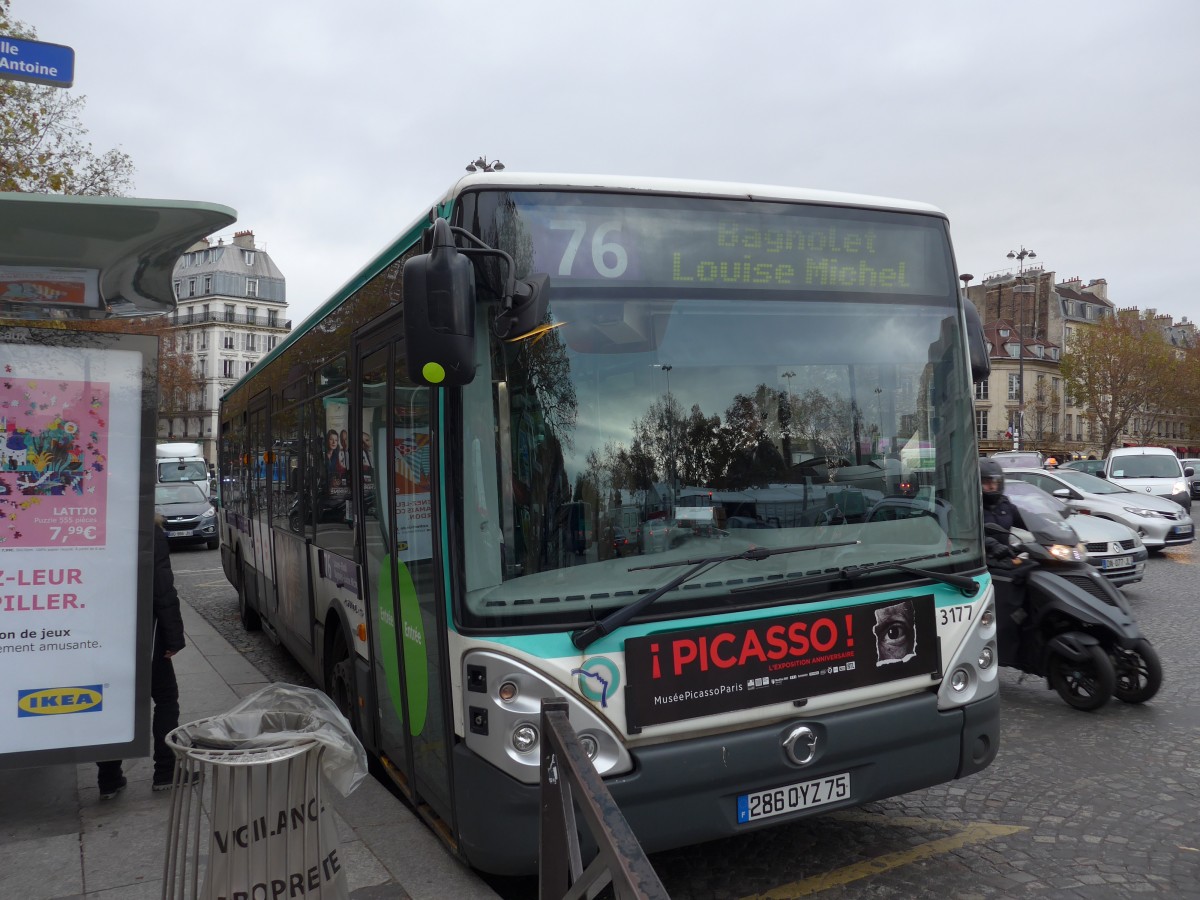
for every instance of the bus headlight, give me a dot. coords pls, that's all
(972, 673)
(502, 705)
(524, 738)
(960, 680)
(589, 745)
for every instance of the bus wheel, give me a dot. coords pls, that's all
(339, 681)
(250, 618)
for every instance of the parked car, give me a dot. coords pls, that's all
(189, 516)
(1149, 470)
(1030, 459)
(1193, 480)
(1088, 466)
(1111, 547)
(1159, 522)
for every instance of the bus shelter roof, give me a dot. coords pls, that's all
(92, 257)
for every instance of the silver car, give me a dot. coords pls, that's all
(1194, 480)
(1112, 548)
(1159, 522)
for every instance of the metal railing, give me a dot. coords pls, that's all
(568, 780)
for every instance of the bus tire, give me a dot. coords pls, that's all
(339, 680)
(250, 618)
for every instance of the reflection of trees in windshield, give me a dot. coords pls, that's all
(752, 444)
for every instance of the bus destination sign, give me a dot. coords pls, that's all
(679, 675)
(808, 249)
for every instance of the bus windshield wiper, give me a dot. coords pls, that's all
(614, 620)
(967, 585)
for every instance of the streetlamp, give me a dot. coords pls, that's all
(1020, 256)
(670, 430)
(787, 431)
(482, 165)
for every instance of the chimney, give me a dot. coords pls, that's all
(244, 239)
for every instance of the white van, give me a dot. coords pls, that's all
(1150, 470)
(182, 462)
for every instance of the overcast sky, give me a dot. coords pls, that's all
(1068, 128)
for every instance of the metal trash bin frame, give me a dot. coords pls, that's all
(261, 844)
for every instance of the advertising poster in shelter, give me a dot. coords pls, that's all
(71, 420)
(414, 502)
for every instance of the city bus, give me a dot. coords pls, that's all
(537, 352)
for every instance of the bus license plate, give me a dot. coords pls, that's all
(803, 795)
(1117, 562)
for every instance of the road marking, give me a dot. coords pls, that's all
(964, 835)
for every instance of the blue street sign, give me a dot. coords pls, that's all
(22, 60)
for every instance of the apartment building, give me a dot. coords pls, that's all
(231, 311)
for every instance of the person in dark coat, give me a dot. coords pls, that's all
(164, 689)
(1002, 560)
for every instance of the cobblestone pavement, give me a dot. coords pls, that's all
(1076, 805)
(199, 573)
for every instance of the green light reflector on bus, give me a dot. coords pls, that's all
(433, 372)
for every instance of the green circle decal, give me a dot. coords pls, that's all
(433, 372)
(598, 679)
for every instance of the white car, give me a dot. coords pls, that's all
(1159, 522)
(1149, 470)
(1112, 548)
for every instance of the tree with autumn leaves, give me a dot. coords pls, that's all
(43, 150)
(1123, 372)
(43, 146)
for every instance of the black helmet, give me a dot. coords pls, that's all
(990, 470)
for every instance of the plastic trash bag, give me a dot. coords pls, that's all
(280, 716)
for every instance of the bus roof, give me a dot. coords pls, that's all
(694, 187)
(506, 180)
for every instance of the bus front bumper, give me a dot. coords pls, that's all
(686, 792)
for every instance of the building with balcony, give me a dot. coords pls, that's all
(231, 311)
(1029, 322)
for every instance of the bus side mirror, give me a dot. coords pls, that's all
(529, 302)
(981, 366)
(439, 313)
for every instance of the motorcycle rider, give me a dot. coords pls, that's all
(1003, 560)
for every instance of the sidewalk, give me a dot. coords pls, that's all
(59, 841)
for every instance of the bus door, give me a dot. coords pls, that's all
(394, 492)
(257, 505)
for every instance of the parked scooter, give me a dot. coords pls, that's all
(1078, 631)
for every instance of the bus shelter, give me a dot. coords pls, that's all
(77, 410)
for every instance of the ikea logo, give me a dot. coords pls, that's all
(60, 700)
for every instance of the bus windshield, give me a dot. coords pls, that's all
(712, 375)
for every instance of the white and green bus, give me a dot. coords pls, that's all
(479, 446)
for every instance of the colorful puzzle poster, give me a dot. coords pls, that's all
(53, 461)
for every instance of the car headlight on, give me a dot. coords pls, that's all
(1147, 513)
(1068, 552)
